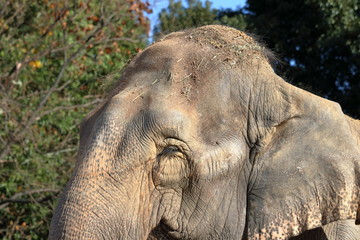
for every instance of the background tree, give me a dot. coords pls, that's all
(177, 17)
(55, 57)
(320, 41)
(232, 18)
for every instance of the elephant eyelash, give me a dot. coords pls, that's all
(171, 150)
(173, 147)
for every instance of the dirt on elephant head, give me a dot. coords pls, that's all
(197, 52)
(236, 45)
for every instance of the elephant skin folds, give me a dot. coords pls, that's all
(201, 139)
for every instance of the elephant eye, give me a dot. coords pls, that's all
(171, 149)
(174, 148)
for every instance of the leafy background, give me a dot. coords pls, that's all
(58, 57)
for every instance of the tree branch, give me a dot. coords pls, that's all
(68, 107)
(21, 132)
(16, 197)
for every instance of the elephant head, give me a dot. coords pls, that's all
(202, 140)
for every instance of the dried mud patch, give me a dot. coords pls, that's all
(236, 46)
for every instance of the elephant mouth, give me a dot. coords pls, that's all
(162, 232)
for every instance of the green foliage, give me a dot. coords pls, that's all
(54, 56)
(319, 39)
(177, 17)
(342, 21)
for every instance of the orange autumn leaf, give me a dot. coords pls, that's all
(93, 18)
(35, 64)
(108, 50)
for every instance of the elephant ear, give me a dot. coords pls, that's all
(307, 174)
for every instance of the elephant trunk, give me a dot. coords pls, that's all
(74, 221)
(95, 212)
(111, 195)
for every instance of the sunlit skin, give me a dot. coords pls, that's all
(202, 140)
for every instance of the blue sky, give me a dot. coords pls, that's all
(227, 3)
(157, 5)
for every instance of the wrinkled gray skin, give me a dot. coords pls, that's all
(202, 140)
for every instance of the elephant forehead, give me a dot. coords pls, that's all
(164, 56)
(177, 61)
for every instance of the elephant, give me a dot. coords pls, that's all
(201, 139)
